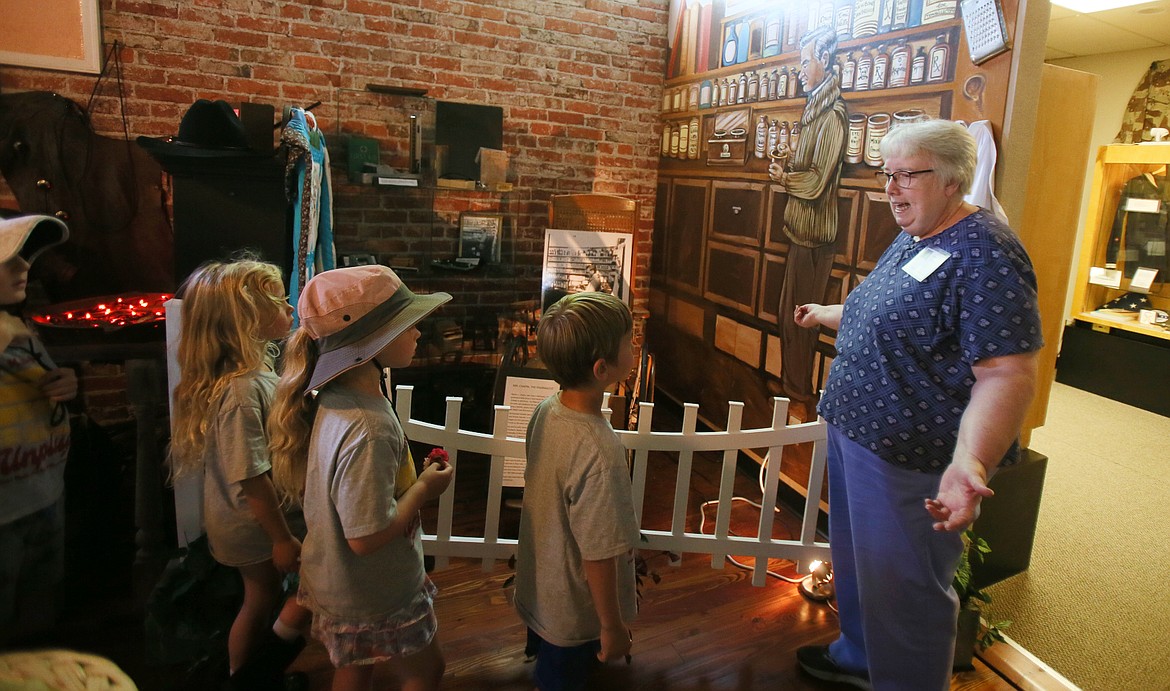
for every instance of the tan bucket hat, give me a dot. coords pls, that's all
(354, 312)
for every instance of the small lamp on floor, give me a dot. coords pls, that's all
(818, 584)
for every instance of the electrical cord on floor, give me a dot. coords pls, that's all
(703, 523)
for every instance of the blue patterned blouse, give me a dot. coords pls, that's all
(905, 348)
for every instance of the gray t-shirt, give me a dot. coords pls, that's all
(236, 449)
(355, 452)
(578, 505)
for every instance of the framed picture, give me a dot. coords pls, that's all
(576, 261)
(480, 236)
(75, 28)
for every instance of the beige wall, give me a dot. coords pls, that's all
(1119, 74)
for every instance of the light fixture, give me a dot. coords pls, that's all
(818, 584)
(1090, 6)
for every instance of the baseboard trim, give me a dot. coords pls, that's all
(1023, 669)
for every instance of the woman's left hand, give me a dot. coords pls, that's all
(961, 489)
(60, 385)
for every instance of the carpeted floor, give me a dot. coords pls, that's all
(1093, 603)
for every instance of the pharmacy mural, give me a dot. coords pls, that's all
(772, 114)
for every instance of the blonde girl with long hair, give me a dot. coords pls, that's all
(337, 442)
(232, 314)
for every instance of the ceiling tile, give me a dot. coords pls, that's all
(1139, 20)
(1083, 35)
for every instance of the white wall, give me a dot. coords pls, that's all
(1119, 75)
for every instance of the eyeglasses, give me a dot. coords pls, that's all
(904, 178)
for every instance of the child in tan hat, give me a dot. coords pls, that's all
(34, 442)
(336, 440)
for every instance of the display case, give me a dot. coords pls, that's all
(1117, 343)
(1124, 252)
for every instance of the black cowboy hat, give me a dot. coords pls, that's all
(209, 129)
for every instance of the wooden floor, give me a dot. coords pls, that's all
(699, 628)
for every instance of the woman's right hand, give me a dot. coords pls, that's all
(807, 316)
(437, 477)
(811, 315)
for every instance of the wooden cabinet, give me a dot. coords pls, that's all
(684, 246)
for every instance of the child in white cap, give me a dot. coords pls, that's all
(34, 442)
(335, 438)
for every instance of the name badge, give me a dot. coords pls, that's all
(925, 262)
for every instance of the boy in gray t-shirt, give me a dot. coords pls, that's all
(578, 532)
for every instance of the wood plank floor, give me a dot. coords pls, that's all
(699, 628)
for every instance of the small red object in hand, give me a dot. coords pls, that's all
(436, 455)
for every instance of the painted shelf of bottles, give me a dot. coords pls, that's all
(887, 78)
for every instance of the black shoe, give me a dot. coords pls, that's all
(816, 661)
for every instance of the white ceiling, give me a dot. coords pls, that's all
(1071, 34)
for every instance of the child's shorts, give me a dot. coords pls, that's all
(399, 635)
(32, 555)
(562, 669)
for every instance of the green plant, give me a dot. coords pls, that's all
(972, 598)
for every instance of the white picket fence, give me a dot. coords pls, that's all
(497, 445)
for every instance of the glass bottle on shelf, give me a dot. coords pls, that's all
(794, 135)
(723, 92)
(760, 149)
(666, 100)
(731, 45)
(664, 150)
(793, 81)
(782, 136)
(938, 60)
(900, 65)
(855, 143)
(773, 136)
(765, 87)
(677, 97)
(881, 68)
(864, 70)
(886, 16)
(828, 14)
(782, 84)
(753, 87)
(693, 139)
(741, 90)
(901, 15)
(705, 94)
(844, 19)
(773, 27)
(938, 10)
(918, 66)
(693, 97)
(684, 135)
(791, 32)
(848, 72)
(775, 79)
(732, 91)
(674, 133)
(915, 18)
(865, 17)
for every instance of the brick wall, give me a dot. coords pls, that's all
(580, 83)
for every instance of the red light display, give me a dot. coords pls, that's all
(110, 312)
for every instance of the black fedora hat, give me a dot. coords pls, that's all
(209, 129)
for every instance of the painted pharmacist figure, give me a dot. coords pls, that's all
(810, 175)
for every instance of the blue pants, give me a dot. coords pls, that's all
(562, 669)
(892, 572)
